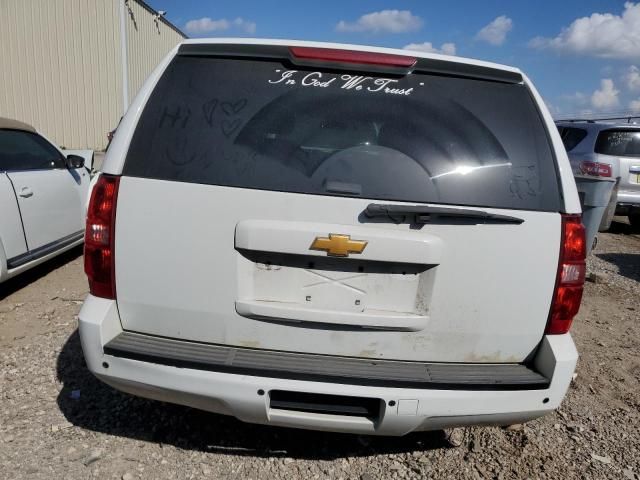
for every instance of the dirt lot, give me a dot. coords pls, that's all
(57, 421)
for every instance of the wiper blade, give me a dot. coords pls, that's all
(426, 214)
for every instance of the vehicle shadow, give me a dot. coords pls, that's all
(90, 404)
(26, 278)
(627, 263)
(622, 227)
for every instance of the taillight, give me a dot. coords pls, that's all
(99, 237)
(596, 169)
(570, 278)
(352, 56)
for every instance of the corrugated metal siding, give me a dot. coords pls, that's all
(148, 42)
(60, 64)
(60, 68)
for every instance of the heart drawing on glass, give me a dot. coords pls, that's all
(233, 108)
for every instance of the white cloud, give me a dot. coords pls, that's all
(634, 105)
(385, 21)
(606, 97)
(445, 48)
(205, 25)
(602, 35)
(245, 25)
(632, 78)
(495, 32)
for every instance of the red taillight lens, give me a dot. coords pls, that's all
(570, 279)
(351, 56)
(574, 243)
(596, 169)
(99, 237)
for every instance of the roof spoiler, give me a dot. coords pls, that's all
(422, 65)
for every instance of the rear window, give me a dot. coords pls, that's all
(621, 143)
(262, 124)
(571, 137)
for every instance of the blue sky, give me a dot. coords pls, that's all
(583, 55)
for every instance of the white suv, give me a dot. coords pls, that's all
(335, 237)
(605, 149)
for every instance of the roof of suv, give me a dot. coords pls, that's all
(346, 46)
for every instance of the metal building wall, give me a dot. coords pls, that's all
(149, 39)
(60, 68)
(61, 64)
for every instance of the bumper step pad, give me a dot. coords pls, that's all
(324, 368)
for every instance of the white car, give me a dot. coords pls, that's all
(43, 196)
(335, 237)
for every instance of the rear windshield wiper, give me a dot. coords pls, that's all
(426, 214)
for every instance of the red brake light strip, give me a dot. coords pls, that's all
(352, 56)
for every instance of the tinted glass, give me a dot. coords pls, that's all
(622, 143)
(418, 138)
(571, 137)
(21, 150)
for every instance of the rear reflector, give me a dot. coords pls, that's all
(99, 237)
(351, 56)
(596, 169)
(570, 278)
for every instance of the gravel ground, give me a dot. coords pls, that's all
(57, 421)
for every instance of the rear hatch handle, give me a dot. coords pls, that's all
(426, 214)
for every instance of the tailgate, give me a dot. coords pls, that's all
(246, 276)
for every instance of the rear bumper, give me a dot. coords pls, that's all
(628, 202)
(247, 397)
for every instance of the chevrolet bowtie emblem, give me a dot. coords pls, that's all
(337, 245)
